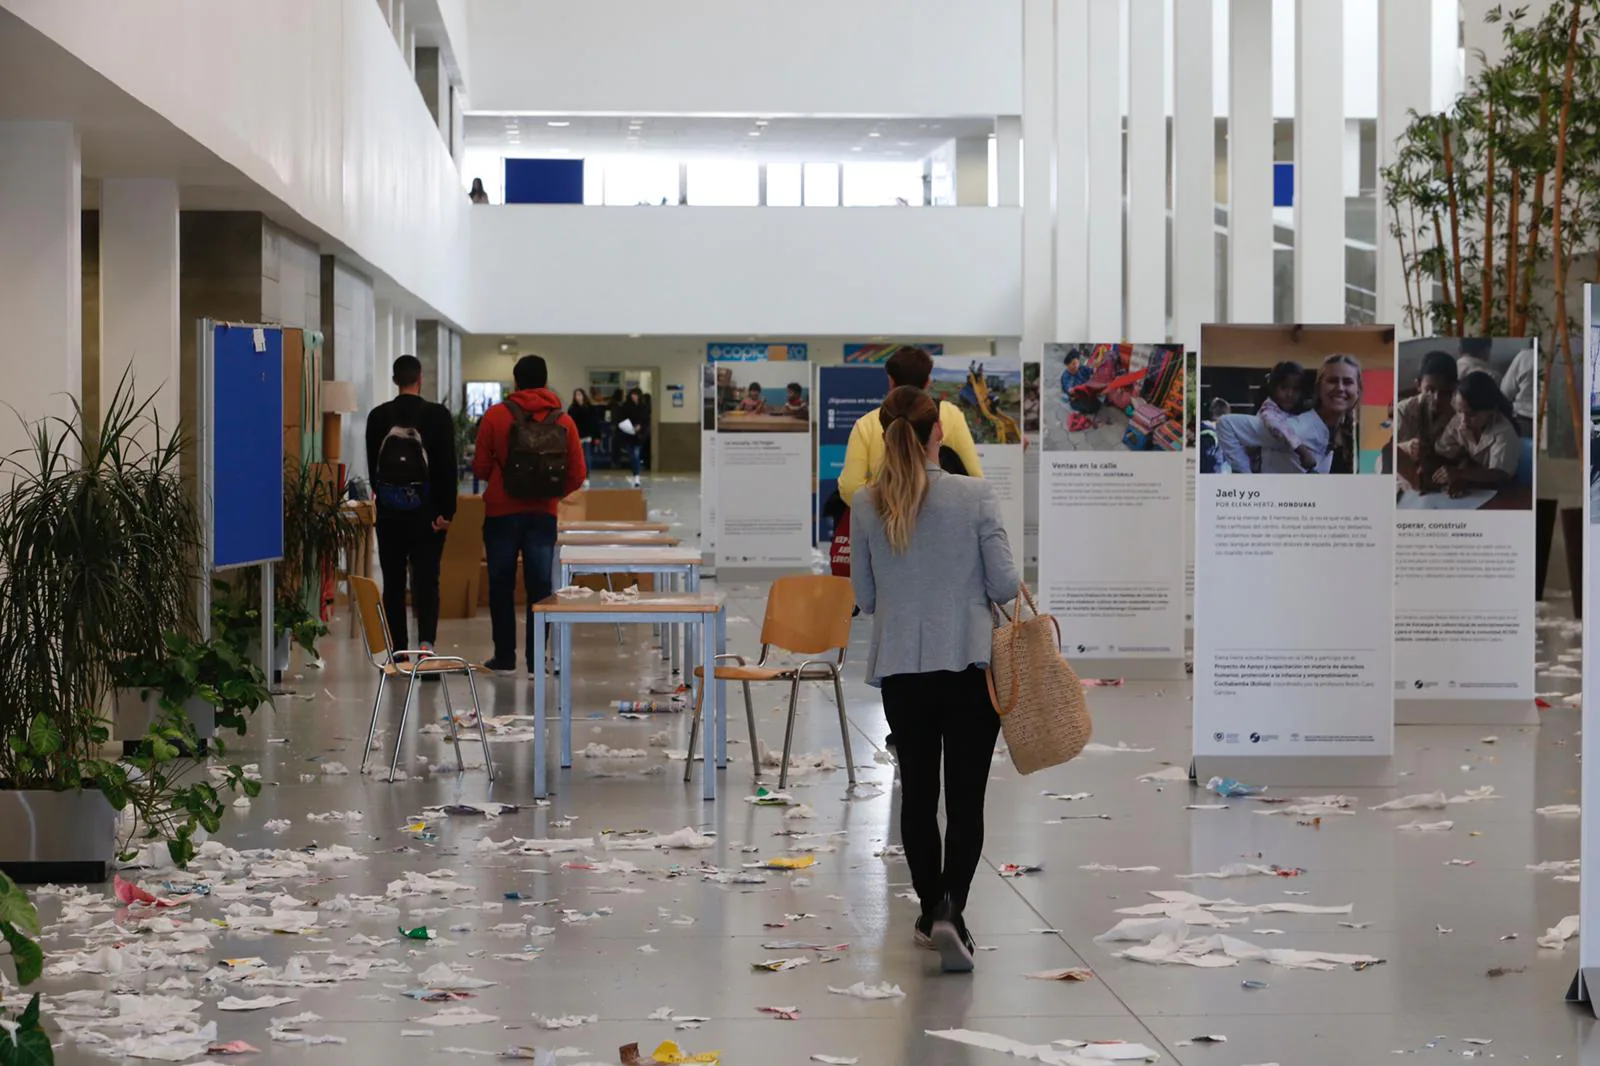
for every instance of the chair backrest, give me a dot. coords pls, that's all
(374, 626)
(808, 614)
(616, 505)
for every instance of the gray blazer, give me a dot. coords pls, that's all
(930, 606)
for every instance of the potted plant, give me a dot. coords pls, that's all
(97, 562)
(19, 926)
(211, 682)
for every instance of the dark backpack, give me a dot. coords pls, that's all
(536, 455)
(402, 483)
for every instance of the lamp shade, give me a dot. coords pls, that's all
(339, 397)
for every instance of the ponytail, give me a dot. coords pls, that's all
(908, 416)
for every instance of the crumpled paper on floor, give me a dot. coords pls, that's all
(1555, 938)
(1074, 1053)
(1169, 943)
(862, 990)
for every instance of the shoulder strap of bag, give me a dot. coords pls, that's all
(519, 414)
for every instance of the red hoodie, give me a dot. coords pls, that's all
(493, 431)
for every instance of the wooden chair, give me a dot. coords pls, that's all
(807, 615)
(386, 658)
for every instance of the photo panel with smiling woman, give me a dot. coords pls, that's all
(1296, 400)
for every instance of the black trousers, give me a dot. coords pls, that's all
(944, 716)
(408, 547)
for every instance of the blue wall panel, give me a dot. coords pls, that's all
(544, 181)
(247, 447)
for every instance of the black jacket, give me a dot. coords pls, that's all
(438, 431)
(635, 413)
(588, 418)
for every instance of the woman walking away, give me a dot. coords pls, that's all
(930, 557)
(588, 418)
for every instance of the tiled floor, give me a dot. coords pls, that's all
(664, 936)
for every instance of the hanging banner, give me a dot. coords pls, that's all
(720, 352)
(1030, 471)
(989, 393)
(880, 353)
(763, 464)
(1111, 498)
(1294, 556)
(844, 394)
(1464, 531)
(1584, 986)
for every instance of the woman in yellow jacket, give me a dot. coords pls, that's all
(863, 456)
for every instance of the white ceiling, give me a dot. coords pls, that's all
(680, 137)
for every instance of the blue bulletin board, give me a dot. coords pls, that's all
(245, 454)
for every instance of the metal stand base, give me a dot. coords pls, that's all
(1298, 771)
(1465, 712)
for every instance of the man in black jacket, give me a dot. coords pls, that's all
(411, 464)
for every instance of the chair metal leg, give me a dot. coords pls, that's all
(400, 732)
(372, 730)
(750, 720)
(611, 586)
(483, 730)
(694, 729)
(455, 730)
(844, 725)
(788, 732)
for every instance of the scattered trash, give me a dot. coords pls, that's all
(1504, 971)
(565, 1021)
(1229, 787)
(1428, 827)
(1014, 869)
(1560, 809)
(1102, 868)
(783, 1014)
(1253, 985)
(780, 965)
(862, 990)
(1556, 937)
(667, 1054)
(1201, 1040)
(1060, 975)
(835, 1060)
(1120, 747)
(1171, 773)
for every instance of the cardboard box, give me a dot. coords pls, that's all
(606, 505)
(460, 565)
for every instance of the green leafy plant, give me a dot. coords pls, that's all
(215, 671)
(27, 1044)
(304, 628)
(1492, 202)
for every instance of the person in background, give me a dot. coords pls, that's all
(588, 418)
(795, 405)
(632, 426)
(411, 465)
(478, 195)
(929, 558)
(648, 437)
(528, 438)
(1480, 448)
(754, 403)
(1421, 420)
(1521, 379)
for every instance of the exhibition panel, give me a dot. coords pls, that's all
(1464, 531)
(1589, 894)
(1112, 423)
(762, 433)
(1294, 575)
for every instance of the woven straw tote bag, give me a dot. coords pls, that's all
(1043, 711)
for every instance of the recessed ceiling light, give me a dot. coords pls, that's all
(753, 133)
(763, 122)
(874, 133)
(855, 148)
(556, 124)
(903, 144)
(560, 151)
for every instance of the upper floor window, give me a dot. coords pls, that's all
(724, 184)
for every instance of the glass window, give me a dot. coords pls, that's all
(640, 181)
(486, 163)
(883, 185)
(784, 182)
(594, 182)
(822, 184)
(724, 184)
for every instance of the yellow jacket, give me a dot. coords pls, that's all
(863, 457)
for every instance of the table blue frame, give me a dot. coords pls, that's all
(619, 614)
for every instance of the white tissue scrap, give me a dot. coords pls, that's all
(627, 595)
(1424, 801)
(1560, 810)
(574, 591)
(686, 839)
(603, 751)
(1555, 938)
(565, 1021)
(1168, 942)
(1419, 826)
(862, 990)
(1171, 773)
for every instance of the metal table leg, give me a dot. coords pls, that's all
(708, 767)
(564, 687)
(539, 682)
(722, 695)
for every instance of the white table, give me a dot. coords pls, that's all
(700, 610)
(680, 565)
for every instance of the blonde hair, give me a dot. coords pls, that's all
(908, 416)
(1344, 437)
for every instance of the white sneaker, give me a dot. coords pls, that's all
(585, 482)
(637, 483)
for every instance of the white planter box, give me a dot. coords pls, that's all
(135, 710)
(56, 836)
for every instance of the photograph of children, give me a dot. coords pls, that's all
(990, 397)
(1030, 397)
(1462, 440)
(746, 404)
(1113, 398)
(1296, 400)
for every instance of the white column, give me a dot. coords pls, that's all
(1072, 147)
(1405, 80)
(1250, 158)
(398, 22)
(1038, 212)
(761, 185)
(971, 174)
(1319, 161)
(41, 273)
(385, 350)
(1194, 178)
(1104, 164)
(1147, 172)
(139, 292)
(1008, 161)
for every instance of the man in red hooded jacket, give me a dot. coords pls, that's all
(513, 526)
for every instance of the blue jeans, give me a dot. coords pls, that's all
(505, 537)
(634, 449)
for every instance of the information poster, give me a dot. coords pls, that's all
(1588, 982)
(1030, 470)
(708, 467)
(989, 393)
(1111, 498)
(763, 456)
(1464, 531)
(844, 394)
(1191, 463)
(1294, 561)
